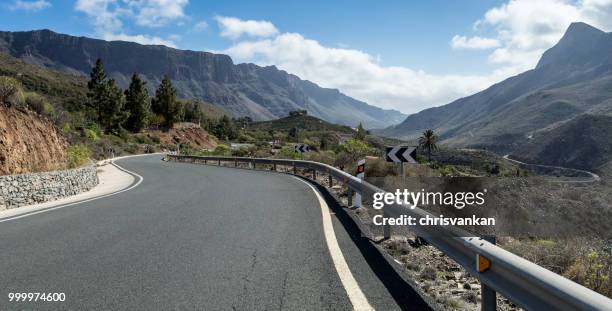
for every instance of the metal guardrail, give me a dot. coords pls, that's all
(523, 282)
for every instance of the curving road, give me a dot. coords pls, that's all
(193, 237)
(594, 177)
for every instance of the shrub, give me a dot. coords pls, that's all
(240, 152)
(327, 157)
(66, 128)
(245, 138)
(78, 155)
(91, 135)
(288, 153)
(593, 270)
(428, 273)
(381, 168)
(222, 150)
(353, 150)
(11, 93)
(585, 261)
(39, 104)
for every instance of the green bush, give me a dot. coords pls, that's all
(222, 150)
(240, 152)
(39, 104)
(11, 93)
(66, 128)
(288, 152)
(91, 135)
(78, 155)
(355, 149)
(245, 138)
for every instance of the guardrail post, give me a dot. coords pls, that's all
(274, 166)
(360, 175)
(254, 165)
(331, 181)
(294, 169)
(350, 197)
(219, 162)
(205, 161)
(235, 163)
(314, 174)
(386, 227)
(489, 296)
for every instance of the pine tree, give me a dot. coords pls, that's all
(361, 133)
(112, 115)
(193, 112)
(294, 134)
(97, 88)
(137, 104)
(165, 102)
(225, 128)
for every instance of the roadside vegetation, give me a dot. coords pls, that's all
(97, 115)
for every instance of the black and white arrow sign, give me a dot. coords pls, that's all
(400, 154)
(301, 148)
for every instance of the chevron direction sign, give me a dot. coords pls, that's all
(401, 154)
(301, 148)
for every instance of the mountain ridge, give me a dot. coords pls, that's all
(478, 121)
(261, 93)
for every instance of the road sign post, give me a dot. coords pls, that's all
(401, 155)
(301, 148)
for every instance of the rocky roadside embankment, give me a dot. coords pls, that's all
(27, 189)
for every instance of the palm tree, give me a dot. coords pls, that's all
(428, 141)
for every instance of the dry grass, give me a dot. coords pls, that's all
(584, 261)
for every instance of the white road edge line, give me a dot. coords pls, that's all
(140, 179)
(356, 296)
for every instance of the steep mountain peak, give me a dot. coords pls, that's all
(580, 44)
(581, 28)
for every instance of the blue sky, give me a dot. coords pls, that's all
(406, 55)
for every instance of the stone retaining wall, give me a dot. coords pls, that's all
(26, 189)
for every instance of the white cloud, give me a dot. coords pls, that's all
(524, 29)
(359, 74)
(105, 16)
(518, 31)
(200, 26)
(108, 17)
(156, 13)
(31, 6)
(473, 43)
(142, 39)
(232, 27)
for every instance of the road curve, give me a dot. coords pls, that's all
(193, 237)
(594, 177)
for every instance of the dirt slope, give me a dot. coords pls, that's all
(29, 143)
(188, 134)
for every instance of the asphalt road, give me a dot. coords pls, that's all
(194, 237)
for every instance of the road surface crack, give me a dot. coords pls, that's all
(283, 291)
(247, 279)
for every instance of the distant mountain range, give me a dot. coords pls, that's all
(571, 80)
(262, 93)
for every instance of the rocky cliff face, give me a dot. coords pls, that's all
(29, 144)
(244, 89)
